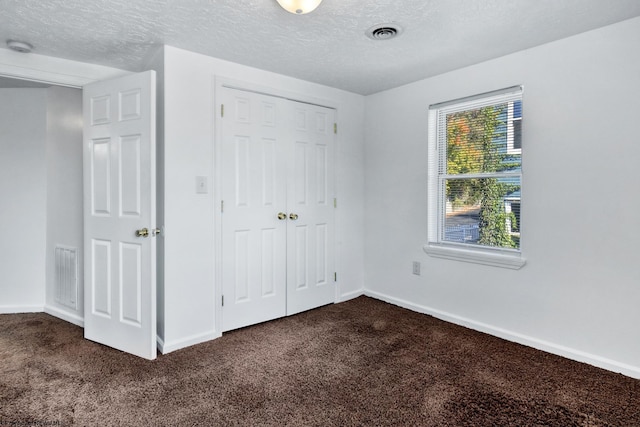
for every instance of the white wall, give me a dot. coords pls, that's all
(579, 292)
(22, 199)
(64, 190)
(189, 108)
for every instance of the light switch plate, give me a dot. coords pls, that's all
(202, 186)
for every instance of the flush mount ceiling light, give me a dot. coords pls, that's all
(299, 7)
(384, 31)
(18, 46)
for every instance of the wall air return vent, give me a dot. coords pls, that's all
(66, 280)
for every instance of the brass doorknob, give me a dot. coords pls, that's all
(143, 232)
(282, 216)
(293, 216)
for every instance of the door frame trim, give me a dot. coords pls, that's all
(52, 70)
(221, 82)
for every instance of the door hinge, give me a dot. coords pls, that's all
(335, 276)
(222, 206)
(223, 300)
(221, 110)
(335, 202)
(335, 128)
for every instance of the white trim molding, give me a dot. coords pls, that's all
(497, 259)
(350, 295)
(64, 315)
(17, 309)
(186, 342)
(49, 69)
(549, 347)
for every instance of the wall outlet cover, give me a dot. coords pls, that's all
(416, 268)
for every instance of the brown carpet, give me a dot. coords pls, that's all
(359, 363)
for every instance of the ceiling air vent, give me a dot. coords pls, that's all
(384, 31)
(18, 46)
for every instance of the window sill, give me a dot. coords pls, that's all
(512, 261)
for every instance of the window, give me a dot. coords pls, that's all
(475, 179)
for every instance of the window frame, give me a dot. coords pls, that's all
(436, 246)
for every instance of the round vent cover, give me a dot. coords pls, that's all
(384, 31)
(18, 46)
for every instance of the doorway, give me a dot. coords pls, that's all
(119, 188)
(41, 186)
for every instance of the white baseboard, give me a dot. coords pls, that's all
(549, 347)
(15, 309)
(350, 295)
(186, 342)
(64, 315)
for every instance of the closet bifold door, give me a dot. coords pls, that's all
(277, 221)
(254, 194)
(310, 233)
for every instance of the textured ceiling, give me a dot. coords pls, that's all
(327, 46)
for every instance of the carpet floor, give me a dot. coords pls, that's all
(358, 363)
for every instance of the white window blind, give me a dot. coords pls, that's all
(475, 172)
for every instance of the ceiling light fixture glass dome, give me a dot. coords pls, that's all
(299, 7)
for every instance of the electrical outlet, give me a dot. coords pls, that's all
(416, 268)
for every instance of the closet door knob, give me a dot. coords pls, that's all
(144, 232)
(282, 216)
(293, 216)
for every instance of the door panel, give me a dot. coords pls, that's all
(129, 176)
(321, 253)
(119, 193)
(100, 178)
(100, 279)
(130, 283)
(300, 177)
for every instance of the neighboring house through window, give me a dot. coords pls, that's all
(514, 126)
(475, 179)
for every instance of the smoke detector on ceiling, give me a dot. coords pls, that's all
(384, 31)
(18, 46)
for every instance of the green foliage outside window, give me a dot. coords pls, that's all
(476, 144)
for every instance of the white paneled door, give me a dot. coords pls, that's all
(254, 222)
(277, 220)
(310, 202)
(119, 213)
